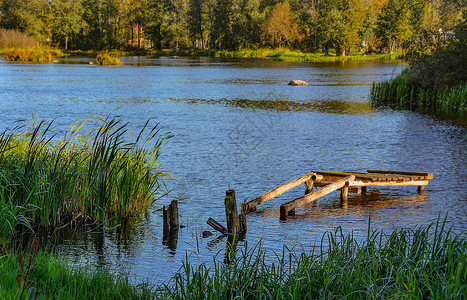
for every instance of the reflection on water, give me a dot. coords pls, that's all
(323, 106)
(237, 125)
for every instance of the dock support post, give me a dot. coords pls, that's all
(345, 192)
(231, 214)
(309, 186)
(420, 189)
(363, 189)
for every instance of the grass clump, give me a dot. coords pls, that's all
(428, 262)
(90, 175)
(50, 278)
(28, 54)
(434, 82)
(107, 58)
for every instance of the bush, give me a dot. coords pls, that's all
(434, 82)
(28, 54)
(108, 59)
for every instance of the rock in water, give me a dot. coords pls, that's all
(297, 82)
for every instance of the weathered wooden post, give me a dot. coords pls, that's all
(420, 189)
(345, 192)
(231, 214)
(171, 225)
(171, 216)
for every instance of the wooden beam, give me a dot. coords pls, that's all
(217, 226)
(291, 205)
(424, 174)
(388, 183)
(364, 183)
(251, 205)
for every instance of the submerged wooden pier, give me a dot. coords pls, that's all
(329, 181)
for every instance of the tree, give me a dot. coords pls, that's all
(222, 25)
(68, 18)
(338, 24)
(280, 27)
(394, 26)
(27, 16)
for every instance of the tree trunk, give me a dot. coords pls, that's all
(66, 43)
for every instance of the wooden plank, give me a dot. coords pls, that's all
(291, 205)
(251, 205)
(217, 226)
(388, 183)
(425, 174)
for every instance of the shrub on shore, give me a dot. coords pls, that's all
(28, 54)
(90, 175)
(107, 58)
(436, 82)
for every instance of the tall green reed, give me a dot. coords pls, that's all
(91, 174)
(427, 262)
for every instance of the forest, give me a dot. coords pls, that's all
(346, 26)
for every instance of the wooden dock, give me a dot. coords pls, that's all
(329, 181)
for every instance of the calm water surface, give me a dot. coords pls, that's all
(236, 124)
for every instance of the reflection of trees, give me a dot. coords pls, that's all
(323, 106)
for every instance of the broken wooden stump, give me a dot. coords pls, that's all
(231, 214)
(171, 216)
(292, 205)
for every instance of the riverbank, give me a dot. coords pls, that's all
(278, 55)
(275, 54)
(435, 83)
(401, 92)
(425, 263)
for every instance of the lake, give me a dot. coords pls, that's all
(237, 125)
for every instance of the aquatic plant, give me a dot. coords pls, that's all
(107, 58)
(11, 216)
(401, 92)
(427, 262)
(28, 54)
(90, 175)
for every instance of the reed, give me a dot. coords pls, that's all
(401, 92)
(28, 54)
(107, 58)
(427, 262)
(90, 175)
(11, 217)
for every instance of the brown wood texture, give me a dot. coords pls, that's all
(249, 206)
(231, 214)
(286, 207)
(217, 226)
